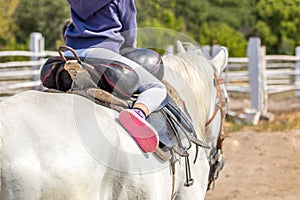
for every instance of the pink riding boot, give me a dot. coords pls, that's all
(142, 132)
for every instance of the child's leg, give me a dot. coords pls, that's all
(152, 93)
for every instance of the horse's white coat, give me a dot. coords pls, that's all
(61, 146)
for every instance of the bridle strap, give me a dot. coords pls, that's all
(220, 105)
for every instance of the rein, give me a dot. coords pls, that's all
(220, 106)
(216, 161)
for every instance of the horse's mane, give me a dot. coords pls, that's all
(195, 69)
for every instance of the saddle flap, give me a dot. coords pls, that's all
(159, 122)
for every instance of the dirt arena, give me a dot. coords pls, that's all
(263, 163)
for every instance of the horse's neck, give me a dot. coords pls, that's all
(192, 76)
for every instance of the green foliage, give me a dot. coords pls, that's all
(158, 13)
(6, 21)
(224, 35)
(194, 13)
(45, 16)
(206, 22)
(278, 25)
(227, 22)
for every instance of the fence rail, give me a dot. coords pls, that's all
(28, 53)
(258, 74)
(280, 73)
(18, 76)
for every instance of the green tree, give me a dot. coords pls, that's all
(45, 16)
(158, 13)
(278, 25)
(217, 21)
(237, 14)
(6, 22)
(227, 22)
(224, 35)
(158, 25)
(194, 13)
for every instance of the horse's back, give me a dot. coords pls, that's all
(35, 154)
(49, 151)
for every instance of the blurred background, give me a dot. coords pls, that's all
(262, 152)
(226, 22)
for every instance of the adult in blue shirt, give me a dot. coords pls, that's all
(103, 28)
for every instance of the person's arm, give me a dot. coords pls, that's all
(127, 13)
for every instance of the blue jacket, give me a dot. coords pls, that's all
(109, 24)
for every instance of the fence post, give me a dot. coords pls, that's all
(37, 45)
(263, 89)
(297, 69)
(257, 79)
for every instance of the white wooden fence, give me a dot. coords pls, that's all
(258, 74)
(18, 76)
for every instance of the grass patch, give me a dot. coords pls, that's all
(282, 122)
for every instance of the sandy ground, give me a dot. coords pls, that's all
(261, 165)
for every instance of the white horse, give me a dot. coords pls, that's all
(63, 146)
